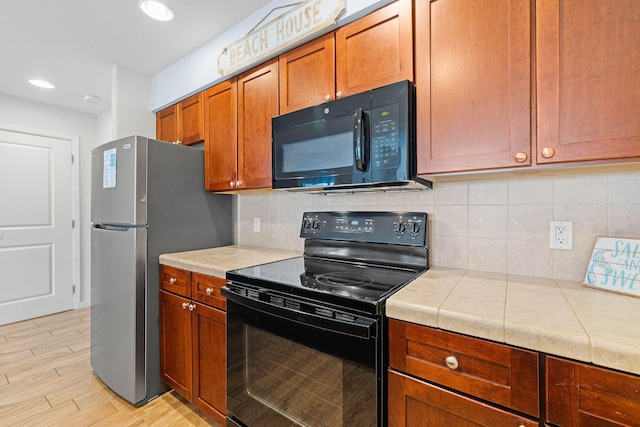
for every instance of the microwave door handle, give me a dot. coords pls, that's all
(359, 139)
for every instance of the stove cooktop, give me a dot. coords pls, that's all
(344, 283)
(354, 260)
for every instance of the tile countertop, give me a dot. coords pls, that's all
(551, 316)
(217, 261)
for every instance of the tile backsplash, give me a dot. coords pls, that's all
(499, 225)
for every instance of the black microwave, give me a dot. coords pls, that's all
(363, 141)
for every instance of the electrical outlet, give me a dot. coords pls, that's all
(256, 225)
(561, 235)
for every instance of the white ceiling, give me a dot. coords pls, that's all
(75, 43)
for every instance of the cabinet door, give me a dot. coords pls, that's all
(257, 104)
(206, 289)
(375, 50)
(414, 403)
(307, 74)
(175, 280)
(167, 124)
(588, 85)
(191, 129)
(583, 395)
(498, 373)
(175, 343)
(220, 144)
(210, 361)
(473, 84)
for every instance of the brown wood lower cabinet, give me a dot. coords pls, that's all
(193, 348)
(584, 395)
(459, 380)
(417, 403)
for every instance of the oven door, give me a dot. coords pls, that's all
(323, 146)
(289, 367)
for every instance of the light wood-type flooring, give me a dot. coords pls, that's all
(46, 380)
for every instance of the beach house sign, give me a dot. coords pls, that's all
(304, 19)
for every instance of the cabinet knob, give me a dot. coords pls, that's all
(192, 307)
(548, 152)
(238, 184)
(185, 305)
(452, 362)
(209, 291)
(327, 97)
(232, 184)
(339, 94)
(173, 280)
(521, 157)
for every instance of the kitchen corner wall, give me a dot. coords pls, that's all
(498, 225)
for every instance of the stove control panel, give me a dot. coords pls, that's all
(404, 228)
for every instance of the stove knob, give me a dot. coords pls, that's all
(306, 224)
(399, 227)
(415, 228)
(315, 224)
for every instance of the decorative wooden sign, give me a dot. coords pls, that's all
(304, 19)
(615, 265)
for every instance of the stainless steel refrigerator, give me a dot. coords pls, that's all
(147, 198)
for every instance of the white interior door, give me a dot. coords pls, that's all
(36, 233)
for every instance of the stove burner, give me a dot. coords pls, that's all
(344, 279)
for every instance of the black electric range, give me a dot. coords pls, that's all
(306, 337)
(353, 260)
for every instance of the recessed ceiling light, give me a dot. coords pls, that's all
(41, 83)
(156, 10)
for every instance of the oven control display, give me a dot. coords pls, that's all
(353, 225)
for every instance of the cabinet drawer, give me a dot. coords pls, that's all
(493, 372)
(414, 403)
(206, 289)
(175, 280)
(583, 395)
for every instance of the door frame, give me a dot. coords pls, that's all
(75, 194)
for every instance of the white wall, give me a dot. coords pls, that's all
(130, 104)
(33, 115)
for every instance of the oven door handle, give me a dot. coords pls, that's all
(364, 328)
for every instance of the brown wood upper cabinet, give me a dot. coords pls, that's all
(588, 87)
(183, 122)
(307, 74)
(371, 52)
(473, 83)
(473, 74)
(238, 116)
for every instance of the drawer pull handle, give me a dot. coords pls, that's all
(173, 280)
(452, 362)
(209, 291)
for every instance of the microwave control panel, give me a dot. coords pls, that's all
(385, 137)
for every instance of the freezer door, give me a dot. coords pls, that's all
(119, 182)
(118, 275)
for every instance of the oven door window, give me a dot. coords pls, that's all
(281, 373)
